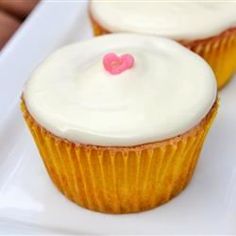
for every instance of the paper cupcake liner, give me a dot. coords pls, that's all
(120, 179)
(218, 51)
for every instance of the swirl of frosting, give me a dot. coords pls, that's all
(166, 92)
(187, 20)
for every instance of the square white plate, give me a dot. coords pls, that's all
(28, 200)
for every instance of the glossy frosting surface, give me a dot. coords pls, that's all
(166, 92)
(186, 20)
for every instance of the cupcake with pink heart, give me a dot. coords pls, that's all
(120, 128)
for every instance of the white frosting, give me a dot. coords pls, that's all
(177, 20)
(167, 92)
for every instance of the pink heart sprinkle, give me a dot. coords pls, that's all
(117, 64)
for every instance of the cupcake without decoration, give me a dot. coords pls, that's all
(120, 128)
(206, 28)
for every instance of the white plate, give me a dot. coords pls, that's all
(28, 200)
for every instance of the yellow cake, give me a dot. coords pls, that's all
(121, 127)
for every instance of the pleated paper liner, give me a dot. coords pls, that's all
(120, 179)
(219, 51)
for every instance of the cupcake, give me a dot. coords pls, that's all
(120, 120)
(207, 28)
